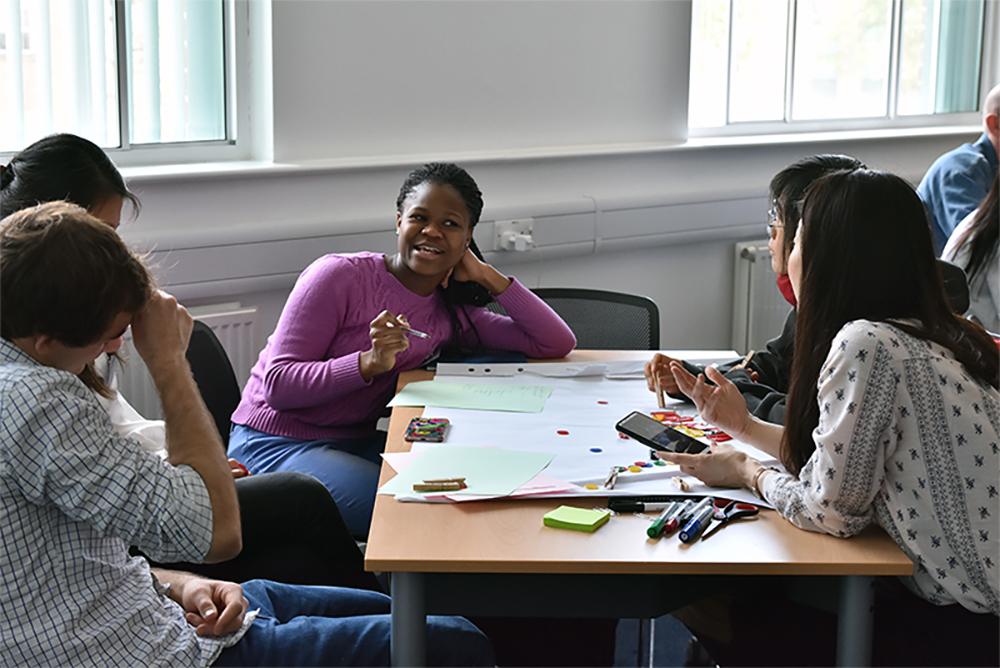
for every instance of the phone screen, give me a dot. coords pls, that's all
(656, 435)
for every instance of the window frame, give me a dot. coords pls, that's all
(241, 35)
(989, 70)
(238, 144)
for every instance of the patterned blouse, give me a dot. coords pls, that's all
(906, 438)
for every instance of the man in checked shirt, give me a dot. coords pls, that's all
(74, 495)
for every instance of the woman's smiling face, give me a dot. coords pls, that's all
(434, 229)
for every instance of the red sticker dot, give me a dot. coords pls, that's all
(602, 402)
(562, 432)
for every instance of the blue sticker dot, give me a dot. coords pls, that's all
(595, 450)
(645, 465)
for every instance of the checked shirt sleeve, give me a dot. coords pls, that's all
(61, 449)
(834, 491)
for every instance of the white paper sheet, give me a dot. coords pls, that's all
(585, 408)
(618, 370)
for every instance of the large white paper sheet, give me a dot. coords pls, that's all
(577, 427)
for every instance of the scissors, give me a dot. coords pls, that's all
(733, 510)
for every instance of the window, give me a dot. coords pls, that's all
(126, 74)
(764, 66)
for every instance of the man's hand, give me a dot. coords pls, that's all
(212, 607)
(161, 331)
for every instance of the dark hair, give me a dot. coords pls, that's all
(867, 254)
(65, 274)
(788, 187)
(448, 174)
(983, 234)
(61, 167)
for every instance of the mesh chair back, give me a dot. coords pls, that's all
(214, 376)
(605, 320)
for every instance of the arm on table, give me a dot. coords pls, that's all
(531, 326)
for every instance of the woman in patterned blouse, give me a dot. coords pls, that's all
(893, 415)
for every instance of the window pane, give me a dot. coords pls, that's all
(757, 80)
(841, 59)
(58, 71)
(709, 55)
(177, 70)
(917, 57)
(939, 57)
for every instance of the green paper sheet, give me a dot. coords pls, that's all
(480, 397)
(489, 471)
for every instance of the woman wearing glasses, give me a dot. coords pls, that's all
(893, 420)
(762, 377)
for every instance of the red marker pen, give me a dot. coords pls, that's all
(674, 519)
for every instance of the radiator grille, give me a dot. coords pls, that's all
(235, 328)
(759, 310)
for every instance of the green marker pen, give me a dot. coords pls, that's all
(656, 528)
(668, 518)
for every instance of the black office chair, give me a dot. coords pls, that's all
(956, 286)
(214, 376)
(605, 320)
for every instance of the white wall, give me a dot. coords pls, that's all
(363, 79)
(566, 111)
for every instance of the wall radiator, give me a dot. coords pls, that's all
(759, 310)
(232, 323)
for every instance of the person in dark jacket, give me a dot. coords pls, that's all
(762, 377)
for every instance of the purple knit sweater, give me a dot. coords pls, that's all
(307, 383)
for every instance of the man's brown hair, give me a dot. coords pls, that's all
(65, 274)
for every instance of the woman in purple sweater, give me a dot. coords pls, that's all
(327, 372)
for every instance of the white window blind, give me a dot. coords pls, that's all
(122, 73)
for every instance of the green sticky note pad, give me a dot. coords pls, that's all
(578, 519)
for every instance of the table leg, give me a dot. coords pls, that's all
(407, 645)
(854, 621)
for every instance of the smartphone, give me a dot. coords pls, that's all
(658, 435)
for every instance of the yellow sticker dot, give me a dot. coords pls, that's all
(591, 485)
(634, 468)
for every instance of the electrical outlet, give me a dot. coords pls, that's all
(515, 235)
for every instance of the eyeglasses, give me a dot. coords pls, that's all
(772, 221)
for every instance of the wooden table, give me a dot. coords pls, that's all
(496, 558)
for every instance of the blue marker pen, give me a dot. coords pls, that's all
(696, 525)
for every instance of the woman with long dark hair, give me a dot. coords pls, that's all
(973, 246)
(893, 410)
(762, 376)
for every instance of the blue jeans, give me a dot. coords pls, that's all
(348, 468)
(332, 626)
